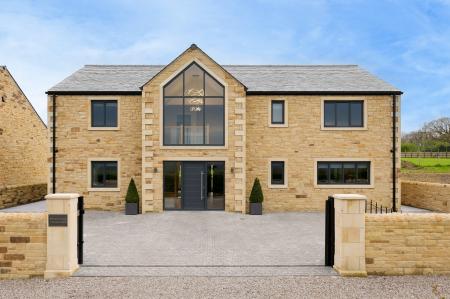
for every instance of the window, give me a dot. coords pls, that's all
(104, 174)
(343, 173)
(193, 109)
(343, 114)
(277, 172)
(104, 113)
(277, 115)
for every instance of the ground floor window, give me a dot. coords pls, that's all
(343, 173)
(194, 185)
(104, 174)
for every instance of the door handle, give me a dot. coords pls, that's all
(201, 185)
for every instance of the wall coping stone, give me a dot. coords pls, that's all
(350, 196)
(425, 183)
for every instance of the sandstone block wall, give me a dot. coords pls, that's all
(430, 196)
(443, 178)
(402, 244)
(23, 245)
(76, 144)
(18, 195)
(23, 144)
(303, 141)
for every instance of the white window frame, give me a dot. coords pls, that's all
(371, 185)
(89, 173)
(343, 99)
(90, 127)
(269, 171)
(286, 113)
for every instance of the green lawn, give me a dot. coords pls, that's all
(426, 165)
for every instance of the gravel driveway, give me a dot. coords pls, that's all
(230, 287)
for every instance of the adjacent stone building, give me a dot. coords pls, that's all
(23, 146)
(195, 134)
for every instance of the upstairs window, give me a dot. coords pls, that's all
(104, 113)
(193, 110)
(277, 112)
(343, 114)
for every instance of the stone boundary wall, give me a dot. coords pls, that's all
(403, 244)
(23, 245)
(443, 178)
(430, 196)
(11, 196)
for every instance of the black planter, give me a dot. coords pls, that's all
(256, 208)
(131, 208)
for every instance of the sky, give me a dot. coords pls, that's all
(406, 43)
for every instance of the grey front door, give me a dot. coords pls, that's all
(194, 182)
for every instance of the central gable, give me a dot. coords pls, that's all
(192, 55)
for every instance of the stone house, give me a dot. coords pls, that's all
(195, 134)
(23, 146)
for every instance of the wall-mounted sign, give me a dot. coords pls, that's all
(57, 220)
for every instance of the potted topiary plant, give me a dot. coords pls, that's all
(132, 199)
(256, 199)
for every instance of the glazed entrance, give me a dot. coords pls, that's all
(194, 185)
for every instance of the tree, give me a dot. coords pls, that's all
(132, 193)
(256, 195)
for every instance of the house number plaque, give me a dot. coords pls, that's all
(57, 220)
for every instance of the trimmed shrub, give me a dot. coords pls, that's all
(132, 193)
(256, 195)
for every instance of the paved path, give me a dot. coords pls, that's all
(229, 287)
(204, 239)
(35, 207)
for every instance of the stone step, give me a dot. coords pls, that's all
(210, 271)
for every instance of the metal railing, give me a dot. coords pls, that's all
(375, 208)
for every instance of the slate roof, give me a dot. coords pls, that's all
(275, 79)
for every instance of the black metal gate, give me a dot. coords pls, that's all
(329, 232)
(80, 240)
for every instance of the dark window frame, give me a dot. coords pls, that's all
(104, 173)
(349, 113)
(342, 182)
(104, 102)
(204, 97)
(283, 112)
(281, 182)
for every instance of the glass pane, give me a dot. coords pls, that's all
(173, 121)
(356, 114)
(335, 173)
(277, 173)
(216, 185)
(349, 173)
(172, 185)
(329, 117)
(193, 120)
(175, 87)
(97, 171)
(277, 112)
(212, 87)
(363, 173)
(193, 81)
(342, 111)
(214, 121)
(98, 114)
(110, 174)
(111, 114)
(322, 173)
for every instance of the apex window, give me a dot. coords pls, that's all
(193, 109)
(342, 114)
(104, 113)
(343, 173)
(277, 112)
